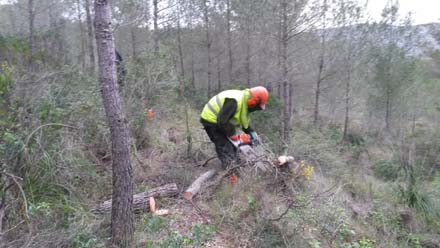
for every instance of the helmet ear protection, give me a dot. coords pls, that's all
(258, 102)
(259, 96)
(254, 101)
(256, 106)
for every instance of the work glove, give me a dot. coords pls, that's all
(254, 136)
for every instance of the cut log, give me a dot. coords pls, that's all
(141, 201)
(162, 212)
(195, 187)
(284, 159)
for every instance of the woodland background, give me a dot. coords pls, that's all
(357, 99)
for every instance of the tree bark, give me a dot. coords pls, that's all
(179, 46)
(31, 13)
(155, 27)
(229, 40)
(147, 28)
(193, 73)
(90, 37)
(248, 51)
(320, 65)
(133, 42)
(347, 104)
(318, 90)
(291, 108)
(193, 76)
(208, 44)
(82, 53)
(219, 72)
(284, 70)
(122, 212)
(388, 109)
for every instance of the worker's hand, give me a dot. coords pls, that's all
(254, 136)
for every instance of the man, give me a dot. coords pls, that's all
(227, 111)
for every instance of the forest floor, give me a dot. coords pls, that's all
(341, 204)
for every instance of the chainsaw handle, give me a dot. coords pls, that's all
(250, 143)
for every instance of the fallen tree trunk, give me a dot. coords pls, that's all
(195, 187)
(141, 201)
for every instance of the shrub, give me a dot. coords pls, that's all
(413, 197)
(173, 240)
(201, 233)
(387, 170)
(85, 239)
(155, 223)
(268, 235)
(355, 139)
(364, 242)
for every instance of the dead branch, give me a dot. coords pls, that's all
(206, 162)
(294, 204)
(25, 202)
(141, 200)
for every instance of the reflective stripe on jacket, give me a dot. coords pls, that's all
(241, 115)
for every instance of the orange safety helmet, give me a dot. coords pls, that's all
(259, 97)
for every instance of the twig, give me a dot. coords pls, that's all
(206, 162)
(305, 204)
(200, 212)
(14, 178)
(12, 228)
(35, 130)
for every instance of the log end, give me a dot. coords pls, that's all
(284, 159)
(152, 204)
(187, 195)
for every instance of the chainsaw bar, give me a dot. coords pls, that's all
(250, 153)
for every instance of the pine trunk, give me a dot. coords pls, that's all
(318, 91)
(122, 198)
(82, 55)
(347, 105)
(284, 70)
(248, 54)
(228, 25)
(208, 45)
(181, 63)
(156, 27)
(90, 37)
(31, 13)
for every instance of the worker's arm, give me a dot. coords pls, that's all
(225, 115)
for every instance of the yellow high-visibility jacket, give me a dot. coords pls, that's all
(241, 115)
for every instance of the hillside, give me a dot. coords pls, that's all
(100, 107)
(343, 204)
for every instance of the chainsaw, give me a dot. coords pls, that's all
(242, 139)
(245, 144)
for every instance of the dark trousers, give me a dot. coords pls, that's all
(226, 151)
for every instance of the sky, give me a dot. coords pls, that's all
(423, 11)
